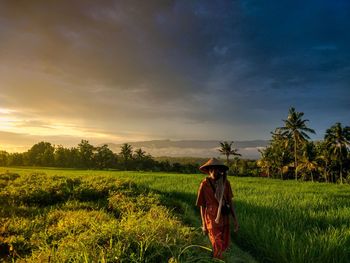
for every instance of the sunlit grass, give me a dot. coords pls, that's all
(281, 221)
(64, 216)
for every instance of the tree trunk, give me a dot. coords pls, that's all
(281, 173)
(341, 173)
(295, 158)
(312, 177)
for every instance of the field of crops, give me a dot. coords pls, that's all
(84, 216)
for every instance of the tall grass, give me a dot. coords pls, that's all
(281, 221)
(90, 218)
(294, 221)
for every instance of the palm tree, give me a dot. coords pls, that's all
(296, 128)
(264, 163)
(308, 161)
(280, 143)
(226, 149)
(338, 140)
(324, 159)
(126, 153)
(139, 154)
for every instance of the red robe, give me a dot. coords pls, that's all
(219, 234)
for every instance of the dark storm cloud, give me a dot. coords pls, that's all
(176, 67)
(285, 53)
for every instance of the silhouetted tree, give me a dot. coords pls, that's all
(4, 158)
(74, 157)
(126, 154)
(15, 159)
(104, 157)
(61, 156)
(86, 151)
(41, 154)
(227, 150)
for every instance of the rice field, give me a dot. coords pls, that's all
(107, 216)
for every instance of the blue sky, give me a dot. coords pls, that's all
(117, 71)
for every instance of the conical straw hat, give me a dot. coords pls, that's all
(210, 163)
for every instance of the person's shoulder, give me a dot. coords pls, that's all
(204, 181)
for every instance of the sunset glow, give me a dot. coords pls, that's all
(121, 72)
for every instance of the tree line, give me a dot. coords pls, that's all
(292, 155)
(87, 156)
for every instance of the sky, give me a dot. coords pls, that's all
(122, 71)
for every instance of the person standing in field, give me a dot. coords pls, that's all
(215, 201)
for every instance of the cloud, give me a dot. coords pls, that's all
(173, 69)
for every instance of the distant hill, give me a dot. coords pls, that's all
(193, 148)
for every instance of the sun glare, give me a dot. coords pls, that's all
(15, 123)
(6, 111)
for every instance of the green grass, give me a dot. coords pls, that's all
(294, 221)
(52, 215)
(44, 212)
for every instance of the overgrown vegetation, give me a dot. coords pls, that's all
(67, 218)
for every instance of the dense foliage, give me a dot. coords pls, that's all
(87, 156)
(291, 153)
